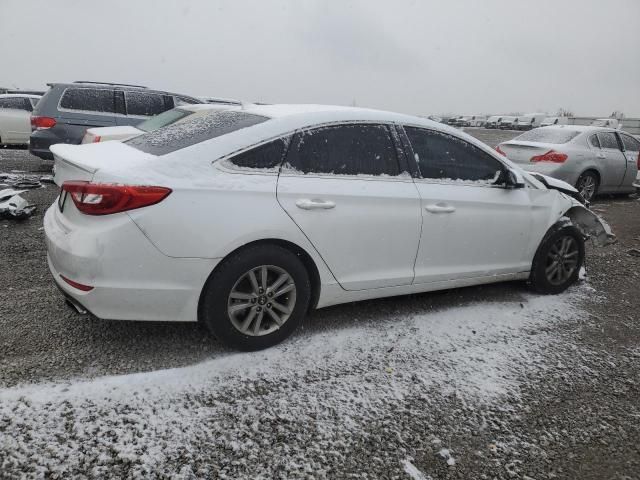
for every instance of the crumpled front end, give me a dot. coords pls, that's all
(590, 224)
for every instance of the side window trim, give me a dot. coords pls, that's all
(410, 155)
(297, 137)
(460, 183)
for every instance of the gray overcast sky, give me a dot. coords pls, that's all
(412, 56)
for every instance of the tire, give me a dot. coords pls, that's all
(230, 296)
(587, 184)
(546, 279)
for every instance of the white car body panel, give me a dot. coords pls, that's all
(15, 124)
(106, 134)
(151, 263)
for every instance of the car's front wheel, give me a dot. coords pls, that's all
(558, 260)
(256, 297)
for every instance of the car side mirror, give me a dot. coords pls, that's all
(510, 179)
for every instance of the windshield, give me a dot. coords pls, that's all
(548, 135)
(193, 130)
(165, 118)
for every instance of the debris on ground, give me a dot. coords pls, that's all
(24, 181)
(13, 206)
(634, 252)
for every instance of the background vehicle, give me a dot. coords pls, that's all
(221, 101)
(607, 122)
(472, 121)
(529, 121)
(493, 121)
(251, 217)
(103, 134)
(508, 122)
(15, 112)
(454, 121)
(68, 109)
(548, 121)
(595, 160)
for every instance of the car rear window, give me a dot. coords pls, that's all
(144, 104)
(548, 135)
(162, 120)
(88, 99)
(191, 131)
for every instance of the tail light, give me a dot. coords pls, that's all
(105, 198)
(96, 138)
(550, 156)
(79, 286)
(39, 123)
(638, 161)
(500, 151)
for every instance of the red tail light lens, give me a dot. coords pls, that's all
(79, 286)
(105, 198)
(550, 156)
(499, 150)
(38, 123)
(96, 139)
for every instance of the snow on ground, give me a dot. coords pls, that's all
(298, 409)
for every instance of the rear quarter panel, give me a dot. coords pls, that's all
(226, 212)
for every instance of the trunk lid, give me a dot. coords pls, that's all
(82, 162)
(521, 152)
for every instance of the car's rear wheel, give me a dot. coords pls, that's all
(256, 297)
(558, 260)
(587, 185)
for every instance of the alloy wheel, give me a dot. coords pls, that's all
(562, 260)
(587, 187)
(262, 300)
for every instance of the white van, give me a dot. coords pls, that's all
(529, 121)
(555, 121)
(472, 121)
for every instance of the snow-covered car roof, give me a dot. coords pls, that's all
(581, 128)
(19, 95)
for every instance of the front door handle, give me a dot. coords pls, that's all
(314, 204)
(440, 208)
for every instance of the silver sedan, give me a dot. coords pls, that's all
(593, 159)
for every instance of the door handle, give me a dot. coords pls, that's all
(601, 155)
(313, 204)
(440, 208)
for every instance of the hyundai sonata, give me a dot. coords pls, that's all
(247, 219)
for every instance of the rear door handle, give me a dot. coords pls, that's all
(314, 204)
(440, 208)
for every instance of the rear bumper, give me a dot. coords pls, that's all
(131, 279)
(40, 141)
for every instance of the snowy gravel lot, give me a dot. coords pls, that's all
(487, 382)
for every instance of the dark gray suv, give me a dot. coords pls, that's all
(66, 111)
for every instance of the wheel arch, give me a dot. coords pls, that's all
(306, 259)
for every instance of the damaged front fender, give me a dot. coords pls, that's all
(590, 224)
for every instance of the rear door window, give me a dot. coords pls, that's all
(265, 157)
(360, 149)
(594, 142)
(16, 103)
(88, 100)
(630, 143)
(444, 157)
(144, 104)
(608, 140)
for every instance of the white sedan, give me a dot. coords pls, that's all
(247, 219)
(15, 118)
(124, 132)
